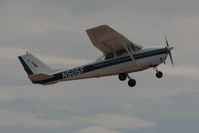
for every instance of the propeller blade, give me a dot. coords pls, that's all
(167, 43)
(171, 58)
(169, 49)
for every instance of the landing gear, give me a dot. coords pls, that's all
(131, 82)
(122, 76)
(159, 74)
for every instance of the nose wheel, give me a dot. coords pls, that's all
(159, 74)
(124, 76)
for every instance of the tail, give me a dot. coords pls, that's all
(37, 71)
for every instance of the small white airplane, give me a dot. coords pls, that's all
(120, 57)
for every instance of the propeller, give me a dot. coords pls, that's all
(169, 49)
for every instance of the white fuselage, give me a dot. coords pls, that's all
(143, 59)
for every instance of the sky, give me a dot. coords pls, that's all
(54, 31)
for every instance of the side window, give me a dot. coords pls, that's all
(108, 56)
(120, 52)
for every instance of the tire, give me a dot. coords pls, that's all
(159, 74)
(132, 82)
(122, 76)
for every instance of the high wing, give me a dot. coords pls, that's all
(108, 40)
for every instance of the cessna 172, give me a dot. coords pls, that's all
(120, 57)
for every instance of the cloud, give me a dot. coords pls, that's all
(6, 96)
(62, 60)
(97, 130)
(30, 93)
(11, 118)
(106, 123)
(182, 70)
(114, 121)
(11, 53)
(55, 29)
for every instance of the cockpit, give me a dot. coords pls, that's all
(112, 55)
(118, 53)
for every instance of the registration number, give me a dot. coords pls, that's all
(73, 72)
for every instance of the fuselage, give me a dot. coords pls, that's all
(143, 59)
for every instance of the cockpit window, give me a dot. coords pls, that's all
(120, 52)
(108, 56)
(100, 58)
(117, 53)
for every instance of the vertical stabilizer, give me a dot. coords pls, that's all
(35, 68)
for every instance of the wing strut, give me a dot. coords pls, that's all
(127, 50)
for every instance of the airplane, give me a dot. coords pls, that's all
(120, 57)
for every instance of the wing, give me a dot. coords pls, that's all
(108, 40)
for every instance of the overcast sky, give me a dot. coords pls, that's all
(54, 31)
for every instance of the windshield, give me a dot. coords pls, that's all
(101, 58)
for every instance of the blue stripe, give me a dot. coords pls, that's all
(25, 66)
(108, 63)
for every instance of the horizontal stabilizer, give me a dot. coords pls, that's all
(39, 77)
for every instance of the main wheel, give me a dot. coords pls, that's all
(159, 74)
(132, 82)
(122, 76)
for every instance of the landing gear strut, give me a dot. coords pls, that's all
(131, 82)
(159, 74)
